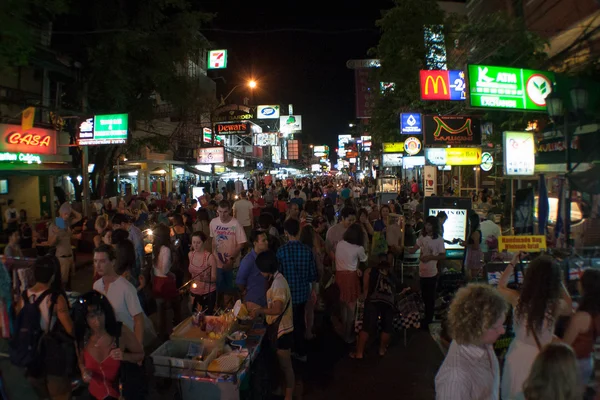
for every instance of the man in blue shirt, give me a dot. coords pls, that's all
(298, 266)
(297, 199)
(249, 279)
(345, 192)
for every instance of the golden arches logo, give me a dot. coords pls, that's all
(435, 83)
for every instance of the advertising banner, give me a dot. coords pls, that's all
(392, 160)
(32, 141)
(217, 59)
(442, 85)
(453, 156)
(211, 155)
(364, 94)
(267, 112)
(290, 124)
(293, 147)
(343, 140)
(514, 244)
(455, 227)
(487, 161)
(396, 147)
(452, 130)
(410, 124)
(265, 139)
(104, 129)
(519, 153)
(509, 88)
(233, 128)
(430, 181)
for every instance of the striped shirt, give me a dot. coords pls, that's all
(469, 372)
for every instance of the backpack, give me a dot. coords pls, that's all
(24, 347)
(384, 290)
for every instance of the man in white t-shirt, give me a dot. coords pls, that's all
(488, 229)
(11, 216)
(228, 241)
(242, 211)
(121, 294)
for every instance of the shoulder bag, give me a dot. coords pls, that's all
(273, 329)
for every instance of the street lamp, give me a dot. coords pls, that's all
(252, 84)
(556, 110)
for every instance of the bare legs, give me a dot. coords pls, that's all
(285, 363)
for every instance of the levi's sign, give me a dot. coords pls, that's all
(442, 85)
(509, 88)
(452, 130)
(234, 128)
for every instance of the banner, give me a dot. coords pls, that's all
(27, 118)
(364, 95)
(514, 244)
(524, 211)
(452, 130)
(442, 85)
(430, 181)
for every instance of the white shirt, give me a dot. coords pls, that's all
(122, 295)
(163, 264)
(226, 238)
(239, 186)
(430, 247)
(242, 210)
(348, 255)
(488, 228)
(469, 372)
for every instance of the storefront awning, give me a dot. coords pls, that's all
(193, 170)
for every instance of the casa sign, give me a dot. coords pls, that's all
(32, 141)
(509, 88)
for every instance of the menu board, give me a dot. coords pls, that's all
(455, 227)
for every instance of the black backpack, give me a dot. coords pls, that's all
(24, 347)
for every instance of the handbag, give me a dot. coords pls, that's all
(58, 347)
(132, 379)
(273, 329)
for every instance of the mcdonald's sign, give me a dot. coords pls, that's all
(442, 85)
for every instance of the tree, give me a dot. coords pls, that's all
(132, 53)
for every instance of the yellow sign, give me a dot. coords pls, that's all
(463, 156)
(515, 244)
(435, 83)
(27, 118)
(393, 147)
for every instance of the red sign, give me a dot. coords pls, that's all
(34, 141)
(364, 94)
(435, 85)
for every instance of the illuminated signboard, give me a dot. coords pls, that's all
(265, 139)
(452, 129)
(387, 86)
(21, 158)
(396, 147)
(217, 59)
(442, 85)
(366, 142)
(412, 146)
(392, 160)
(32, 141)
(207, 137)
(453, 156)
(487, 161)
(267, 112)
(293, 149)
(519, 153)
(410, 124)
(290, 124)
(455, 226)
(104, 129)
(509, 88)
(343, 140)
(211, 155)
(233, 128)
(321, 151)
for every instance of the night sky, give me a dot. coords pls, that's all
(293, 64)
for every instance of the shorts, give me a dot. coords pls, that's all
(207, 301)
(372, 312)
(285, 341)
(224, 280)
(164, 287)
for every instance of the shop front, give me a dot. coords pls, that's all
(32, 165)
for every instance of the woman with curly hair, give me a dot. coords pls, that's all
(542, 299)
(471, 369)
(584, 326)
(553, 375)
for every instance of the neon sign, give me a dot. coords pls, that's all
(32, 141)
(442, 85)
(452, 129)
(20, 157)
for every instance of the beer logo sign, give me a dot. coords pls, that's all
(412, 146)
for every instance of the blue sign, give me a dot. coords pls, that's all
(260, 166)
(457, 85)
(410, 124)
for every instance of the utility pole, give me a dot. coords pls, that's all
(85, 196)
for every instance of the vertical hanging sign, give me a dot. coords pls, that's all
(364, 94)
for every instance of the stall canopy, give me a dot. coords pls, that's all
(586, 181)
(193, 170)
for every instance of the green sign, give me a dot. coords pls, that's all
(21, 158)
(104, 129)
(509, 88)
(217, 59)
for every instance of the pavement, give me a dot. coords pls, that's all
(405, 372)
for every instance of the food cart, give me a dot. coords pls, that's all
(211, 361)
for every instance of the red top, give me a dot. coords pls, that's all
(258, 205)
(281, 206)
(105, 376)
(584, 342)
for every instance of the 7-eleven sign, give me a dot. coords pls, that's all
(217, 59)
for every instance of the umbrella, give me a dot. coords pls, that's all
(543, 206)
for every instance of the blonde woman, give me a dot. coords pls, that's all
(100, 225)
(471, 370)
(553, 375)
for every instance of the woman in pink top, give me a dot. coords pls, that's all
(203, 269)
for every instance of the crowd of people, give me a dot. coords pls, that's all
(290, 251)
